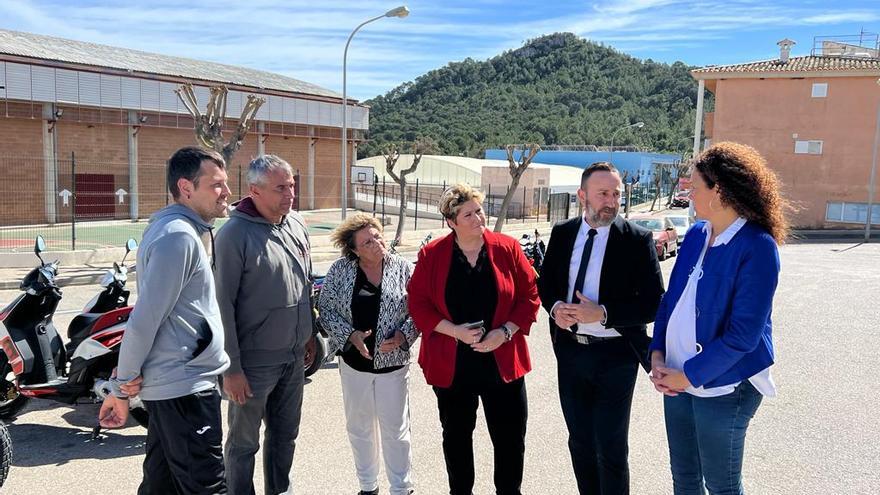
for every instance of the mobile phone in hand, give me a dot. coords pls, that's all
(477, 324)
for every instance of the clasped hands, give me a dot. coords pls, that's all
(567, 315)
(474, 337)
(667, 381)
(114, 410)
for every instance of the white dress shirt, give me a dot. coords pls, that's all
(592, 277)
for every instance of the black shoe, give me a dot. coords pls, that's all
(371, 492)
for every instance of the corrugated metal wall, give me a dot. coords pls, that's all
(46, 84)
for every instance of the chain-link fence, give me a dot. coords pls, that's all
(382, 198)
(77, 202)
(80, 203)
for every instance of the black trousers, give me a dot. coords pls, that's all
(596, 385)
(184, 446)
(506, 409)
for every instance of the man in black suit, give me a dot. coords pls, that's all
(601, 284)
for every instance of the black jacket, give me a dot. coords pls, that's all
(631, 283)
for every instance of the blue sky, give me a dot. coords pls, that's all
(305, 39)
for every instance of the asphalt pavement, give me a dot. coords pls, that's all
(821, 435)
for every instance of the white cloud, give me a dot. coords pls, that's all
(840, 17)
(305, 38)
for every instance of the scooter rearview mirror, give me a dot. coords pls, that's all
(130, 246)
(39, 247)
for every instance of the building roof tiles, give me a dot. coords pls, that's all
(810, 63)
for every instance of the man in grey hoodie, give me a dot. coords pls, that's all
(173, 345)
(264, 290)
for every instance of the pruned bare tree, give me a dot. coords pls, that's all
(662, 175)
(391, 153)
(209, 125)
(516, 168)
(657, 180)
(682, 169)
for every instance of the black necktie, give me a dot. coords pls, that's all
(582, 270)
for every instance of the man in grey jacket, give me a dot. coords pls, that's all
(264, 291)
(174, 338)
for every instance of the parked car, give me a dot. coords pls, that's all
(681, 199)
(682, 223)
(665, 237)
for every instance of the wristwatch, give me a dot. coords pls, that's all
(508, 333)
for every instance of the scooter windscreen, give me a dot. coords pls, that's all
(39, 279)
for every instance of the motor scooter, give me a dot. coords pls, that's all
(36, 363)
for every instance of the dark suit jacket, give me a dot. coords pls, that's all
(631, 283)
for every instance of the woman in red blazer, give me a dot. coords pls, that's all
(473, 297)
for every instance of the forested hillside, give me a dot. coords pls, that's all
(556, 89)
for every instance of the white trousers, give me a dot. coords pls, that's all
(377, 409)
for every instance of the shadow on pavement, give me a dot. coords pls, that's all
(47, 445)
(848, 248)
(36, 444)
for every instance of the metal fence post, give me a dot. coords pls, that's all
(538, 203)
(167, 191)
(383, 200)
(375, 192)
(296, 188)
(416, 222)
(443, 220)
(524, 205)
(629, 195)
(491, 202)
(73, 205)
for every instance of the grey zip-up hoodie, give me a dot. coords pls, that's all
(263, 287)
(174, 337)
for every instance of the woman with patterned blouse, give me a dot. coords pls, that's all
(363, 306)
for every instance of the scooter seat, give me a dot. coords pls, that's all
(80, 325)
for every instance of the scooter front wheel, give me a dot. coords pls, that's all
(314, 363)
(5, 453)
(11, 400)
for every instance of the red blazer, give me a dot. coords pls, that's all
(517, 302)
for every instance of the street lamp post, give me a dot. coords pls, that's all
(873, 178)
(401, 11)
(637, 125)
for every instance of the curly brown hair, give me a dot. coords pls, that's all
(746, 184)
(343, 236)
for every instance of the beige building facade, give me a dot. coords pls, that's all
(814, 118)
(115, 110)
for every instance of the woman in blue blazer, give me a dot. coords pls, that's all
(712, 345)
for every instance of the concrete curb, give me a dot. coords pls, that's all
(83, 277)
(92, 265)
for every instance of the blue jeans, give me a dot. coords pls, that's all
(706, 439)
